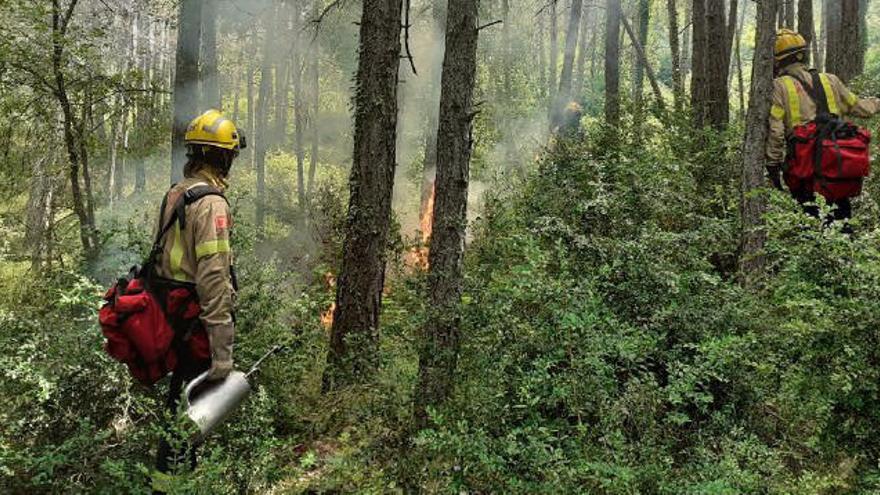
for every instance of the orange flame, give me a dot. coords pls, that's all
(327, 316)
(418, 255)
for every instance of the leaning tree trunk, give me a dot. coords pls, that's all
(439, 353)
(571, 37)
(753, 236)
(612, 63)
(354, 335)
(186, 81)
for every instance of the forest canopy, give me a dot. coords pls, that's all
(508, 246)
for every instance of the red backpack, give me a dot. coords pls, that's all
(827, 155)
(149, 320)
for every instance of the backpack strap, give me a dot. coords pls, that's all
(820, 92)
(189, 197)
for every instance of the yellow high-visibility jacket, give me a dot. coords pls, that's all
(793, 106)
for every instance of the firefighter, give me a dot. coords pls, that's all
(793, 106)
(198, 255)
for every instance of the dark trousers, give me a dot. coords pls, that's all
(842, 208)
(169, 458)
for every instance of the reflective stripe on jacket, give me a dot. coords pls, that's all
(793, 106)
(200, 252)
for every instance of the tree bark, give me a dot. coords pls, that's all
(699, 81)
(299, 115)
(753, 204)
(554, 53)
(850, 51)
(186, 81)
(612, 62)
(639, 69)
(354, 335)
(442, 334)
(686, 52)
(677, 80)
(315, 93)
(805, 20)
(262, 138)
(429, 166)
(584, 44)
(709, 89)
(571, 39)
(643, 60)
(72, 141)
(833, 49)
(209, 77)
(542, 58)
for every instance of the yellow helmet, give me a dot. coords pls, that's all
(213, 129)
(788, 43)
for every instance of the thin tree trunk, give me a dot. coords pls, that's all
(251, 106)
(354, 336)
(299, 116)
(643, 61)
(677, 79)
(584, 41)
(186, 81)
(612, 63)
(429, 166)
(850, 50)
(60, 22)
(644, 12)
(209, 77)
(554, 53)
(686, 45)
(439, 353)
(753, 236)
(542, 57)
(506, 48)
(282, 75)
(739, 65)
(699, 80)
(833, 51)
(571, 39)
(789, 14)
(40, 213)
(315, 94)
(262, 137)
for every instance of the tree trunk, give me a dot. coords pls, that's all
(542, 58)
(554, 53)
(284, 35)
(299, 115)
(429, 167)
(677, 78)
(571, 38)
(40, 214)
(805, 20)
(315, 94)
(251, 106)
(186, 81)
(751, 259)
(354, 335)
(639, 69)
(789, 13)
(60, 21)
(262, 138)
(739, 65)
(584, 42)
(209, 77)
(850, 51)
(438, 356)
(612, 63)
(686, 45)
(834, 52)
(506, 61)
(709, 90)
(642, 60)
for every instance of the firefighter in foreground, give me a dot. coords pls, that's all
(196, 253)
(806, 104)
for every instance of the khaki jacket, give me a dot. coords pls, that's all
(792, 105)
(200, 252)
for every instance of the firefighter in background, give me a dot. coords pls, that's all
(198, 255)
(792, 106)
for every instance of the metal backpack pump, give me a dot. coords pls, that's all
(209, 403)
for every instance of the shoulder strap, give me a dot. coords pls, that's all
(189, 197)
(816, 92)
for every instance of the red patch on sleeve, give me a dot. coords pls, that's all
(221, 222)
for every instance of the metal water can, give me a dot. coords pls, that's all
(209, 403)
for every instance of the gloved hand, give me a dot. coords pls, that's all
(774, 174)
(221, 337)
